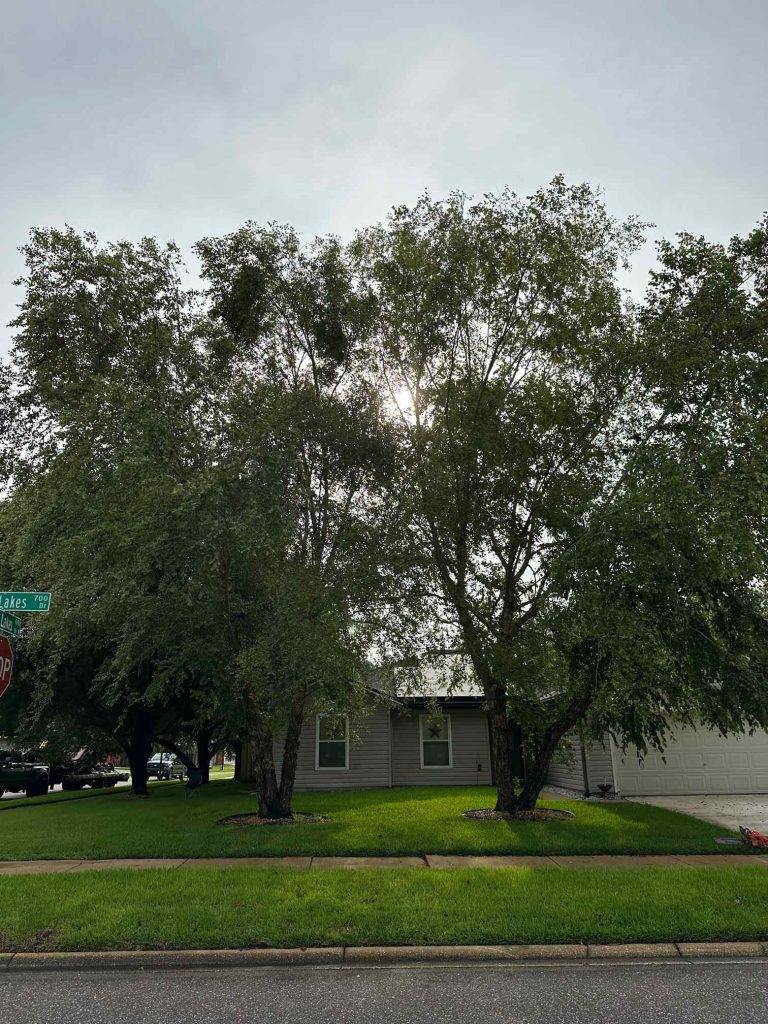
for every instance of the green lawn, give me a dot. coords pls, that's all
(194, 908)
(175, 822)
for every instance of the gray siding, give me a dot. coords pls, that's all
(368, 755)
(599, 764)
(566, 769)
(469, 733)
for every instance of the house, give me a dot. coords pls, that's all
(403, 741)
(445, 741)
(694, 761)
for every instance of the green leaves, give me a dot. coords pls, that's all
(454, 434)
(583, 491)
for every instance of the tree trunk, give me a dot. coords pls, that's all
(537, 770)
(238, 777)
(259, 767)
(504, 764)
(540, 758)
(137, 762)
(138, 747)
(203, 749)
(290, 757)
(247, 763)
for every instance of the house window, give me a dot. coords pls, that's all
(436, 746)
(332, 751)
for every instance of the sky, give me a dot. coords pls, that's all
(184, 118)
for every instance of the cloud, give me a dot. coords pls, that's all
(184, 119)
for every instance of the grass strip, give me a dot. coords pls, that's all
(239, 908)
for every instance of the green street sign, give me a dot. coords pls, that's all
(24, 601)
(10, 624)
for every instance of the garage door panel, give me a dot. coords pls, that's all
(697, 762)
(713, 760)
(658, 763)
(741, 760)
(723, 782)
(691, 761)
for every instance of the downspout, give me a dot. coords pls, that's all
(389, 738)
(614, 772)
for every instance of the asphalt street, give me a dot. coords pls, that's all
(684, 993)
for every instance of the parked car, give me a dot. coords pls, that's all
(20, 776)
(165, 766)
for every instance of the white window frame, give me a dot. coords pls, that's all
(435, 767)
(318, 767)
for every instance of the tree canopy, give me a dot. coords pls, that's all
(574, 466)
(453, 441)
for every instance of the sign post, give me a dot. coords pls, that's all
(24, 601)
(6, 665)
(10, 624)
(16, 601)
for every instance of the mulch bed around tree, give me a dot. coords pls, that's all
(249, 818)
(539, 814)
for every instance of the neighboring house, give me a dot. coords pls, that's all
(694, 761)
(404, 741)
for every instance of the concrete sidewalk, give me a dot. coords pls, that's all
(434, 861)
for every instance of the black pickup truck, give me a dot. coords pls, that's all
(84, 771)
(20, 776)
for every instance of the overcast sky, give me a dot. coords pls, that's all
(181, 118)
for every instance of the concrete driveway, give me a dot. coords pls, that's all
(728, 811)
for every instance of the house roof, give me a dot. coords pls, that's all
(428, 699)
(430, 689)
(457, 701)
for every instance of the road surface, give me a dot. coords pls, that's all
(684, 993)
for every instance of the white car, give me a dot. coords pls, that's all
(165, 766)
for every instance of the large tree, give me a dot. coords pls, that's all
(292, 320)
(549, 437)
(115, 496)
(197, 487)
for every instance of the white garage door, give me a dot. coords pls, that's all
(697, 761)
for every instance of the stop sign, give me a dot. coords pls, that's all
(6, 665)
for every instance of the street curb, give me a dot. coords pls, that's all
(156, 959)
(383, 956)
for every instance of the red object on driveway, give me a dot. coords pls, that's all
(6, 665)
(752, 837)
